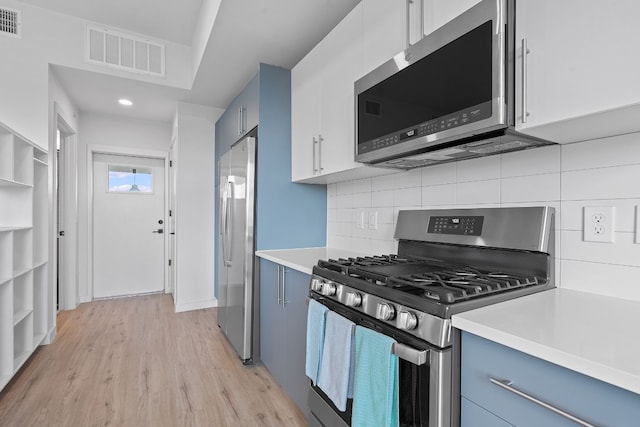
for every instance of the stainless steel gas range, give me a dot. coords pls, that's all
(448, 261)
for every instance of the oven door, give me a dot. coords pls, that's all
(425, 391)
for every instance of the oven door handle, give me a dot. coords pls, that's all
(410, 354)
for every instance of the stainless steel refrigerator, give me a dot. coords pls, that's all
(237, 290)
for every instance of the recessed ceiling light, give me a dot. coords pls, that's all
(125, 102)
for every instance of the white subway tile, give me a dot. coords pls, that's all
(408, 179)
(384, 232)
(361, 245)
(385, 215)
(531, 188)
(340, 229)
(435, 195)
(620, 182)
(362, 200)
(531, 162)
(382, 198)
(344, 201)
(407, 197)
(361, 186)
(598, 153)
(332, 202)
(483, 168)
(482, 192)
(341, 242)
(332, 189)
(345, 187)
(439, 174)
(603, 279)
(622, 252)
(332, 215)
(382, 247)
(343, 215)
(381, 183)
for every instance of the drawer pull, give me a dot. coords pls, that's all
(506, 384)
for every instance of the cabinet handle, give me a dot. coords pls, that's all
(320, 139)
(278, 284)
(506, 384)
(313, 149)
(409, 3)
(244, 119)
(284, 288)
(525, 52)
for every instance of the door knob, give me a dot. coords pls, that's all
(159, 231)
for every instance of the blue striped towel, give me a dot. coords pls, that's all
(375, 394)
(316, 316)
(336, 375)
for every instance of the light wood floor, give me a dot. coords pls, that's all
(134, 362)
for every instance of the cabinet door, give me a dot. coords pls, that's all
(272, 333)
(296, 290)
(580, 63)
(437, 13)
(337, 148)
(306, 88)
(248, 106)
(383, 32)
(582, 396)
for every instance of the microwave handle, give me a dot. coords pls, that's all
(525, 52)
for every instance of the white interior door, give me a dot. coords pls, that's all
(128, 225)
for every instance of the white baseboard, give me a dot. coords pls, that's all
(50, 336)
(84, 299)
(196, 305)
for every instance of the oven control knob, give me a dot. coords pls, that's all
(407, 320)
(328, 289)
(354, 299)
(316, 284)
(385, 311)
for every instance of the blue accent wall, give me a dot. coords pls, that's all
(288, 215)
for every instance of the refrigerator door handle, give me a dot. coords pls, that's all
(228, 226)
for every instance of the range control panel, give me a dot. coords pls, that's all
(458, 225)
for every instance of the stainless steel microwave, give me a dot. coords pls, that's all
(449, 97)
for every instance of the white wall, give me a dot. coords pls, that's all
(195, 171)
(53, 38)
(114, 132)
(601, 172)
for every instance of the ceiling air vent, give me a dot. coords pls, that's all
(10, 22)
(116, 49)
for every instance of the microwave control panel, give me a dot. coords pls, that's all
(440, 124)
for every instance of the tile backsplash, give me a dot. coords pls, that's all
(602, 172)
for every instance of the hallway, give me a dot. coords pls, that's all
(134, 362)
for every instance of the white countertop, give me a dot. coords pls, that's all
(591, 334)
(303, 259)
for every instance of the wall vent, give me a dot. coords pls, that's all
(10, 22)
(116, 49)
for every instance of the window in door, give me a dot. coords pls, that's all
(130, 179)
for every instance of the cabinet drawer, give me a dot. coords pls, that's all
(472, 415)
(582, 396)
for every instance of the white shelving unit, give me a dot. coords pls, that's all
(26, 295)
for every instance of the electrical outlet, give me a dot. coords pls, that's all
(598, 224)
(373, 220)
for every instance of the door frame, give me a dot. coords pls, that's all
(93, 149)
(67, 168)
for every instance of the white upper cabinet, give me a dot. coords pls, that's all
(322, 102)
(384, 32)
(581, 71)
(439, 12)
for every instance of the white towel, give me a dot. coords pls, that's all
(336, 366)
(315, 337)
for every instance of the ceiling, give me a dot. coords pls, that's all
(245, 33)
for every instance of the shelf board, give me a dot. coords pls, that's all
(38, 264)
(22, 271)
(11, 183)
(16, 228)
(21, 315)
(39, 162)
(19, 359)
(4, 280)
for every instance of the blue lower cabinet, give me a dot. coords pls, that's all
(283, 327)
(476, 416)
(575, 394)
